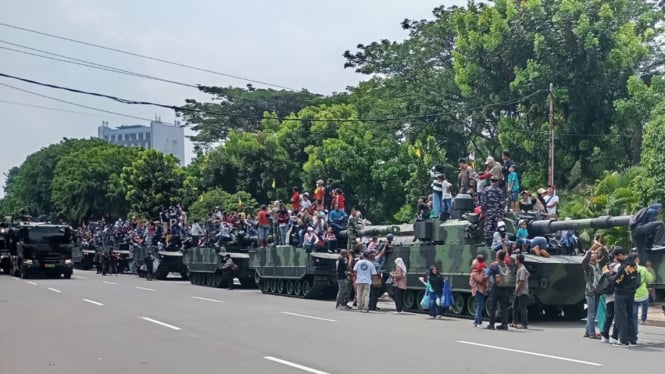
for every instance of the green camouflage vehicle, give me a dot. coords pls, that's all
(166, 261)
(291, 271)
(556, 283)
(83, 256)
(204, 266)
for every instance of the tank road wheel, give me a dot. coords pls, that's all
(280, 286)
(297, 288)
(420, 296)
(192, 277)
(211, 280)
(184, 275)
(265, 285)
(289, 287)
(471, 306)
(257, 278)
(459, 303)
(410, 299)
(273, 285)
(306, 287)
(218, 280)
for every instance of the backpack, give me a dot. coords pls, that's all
(637, 219)
(505, 277)
(606, 284)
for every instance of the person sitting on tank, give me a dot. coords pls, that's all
(422, 210)
(310, 240)
(522, 235)
(320, 223)
(500, 238)
(330, 240)
(224, 234)
(539, 246)
(338, 219)
(647, 231)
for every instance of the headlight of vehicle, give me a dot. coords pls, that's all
(68, 262)
(28, 262)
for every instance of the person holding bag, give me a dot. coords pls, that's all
(399, 284)
(434, 286)
(478, 283)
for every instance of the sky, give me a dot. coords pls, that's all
(291, 43)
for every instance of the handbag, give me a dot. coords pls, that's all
(376, 281)
(424, 303)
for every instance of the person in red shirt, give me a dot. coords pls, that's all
(264, 225)
(319, 192)
(295, 200)
(338, 199)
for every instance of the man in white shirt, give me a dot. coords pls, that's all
(196, 232)
(364, 270)
(551, 201)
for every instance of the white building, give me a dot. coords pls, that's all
(160, 136)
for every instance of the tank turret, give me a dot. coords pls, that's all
(547, 227)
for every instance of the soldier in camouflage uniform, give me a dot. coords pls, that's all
(492, 206)
(352, 229)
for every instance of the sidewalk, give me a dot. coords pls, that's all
(656, 316)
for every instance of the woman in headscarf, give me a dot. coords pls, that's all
(434, 285)
(399, 284)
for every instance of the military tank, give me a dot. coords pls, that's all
(83, 255)
(204, 263)
(556, 283)
(290, 271)
(166, 261)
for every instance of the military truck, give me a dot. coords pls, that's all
(556, 283)
(42, 248)
(291, 271)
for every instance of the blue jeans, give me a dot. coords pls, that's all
(436, 203)
(645, 308)
(433, 308)
(282, 233)
(480, 308)
(447, 205)
(591, 302)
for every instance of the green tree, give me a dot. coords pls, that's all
(152, 181)
(238, 109)
(80, 185)
(227, 202)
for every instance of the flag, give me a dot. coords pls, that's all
(239, 201)
(273, 183)
(419, 153)
(201, 198)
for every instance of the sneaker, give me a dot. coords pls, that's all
(489, 327)
(586, 335)
(398, 312)
(604, 340)
(643, 322)
(614, 341)
(502, 327)
(620, 345)
(475, 324)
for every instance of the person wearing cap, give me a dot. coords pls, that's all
(492, 208)
(228, 268)
(539, 203)
(492, 170)
(310, 239)
(364, 270)
(647, 230)
(319, 192)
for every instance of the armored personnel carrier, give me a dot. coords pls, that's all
(291, 271)
(83, 255)
(556, 283)
(204, 263)
(166, 261)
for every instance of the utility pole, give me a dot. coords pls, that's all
(550, 168)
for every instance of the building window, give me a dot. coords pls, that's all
(112, 138)
(140, 136)
(147, 136)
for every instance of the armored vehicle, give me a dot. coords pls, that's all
(41, 248)
(292, 271)
(204, 263)
(556, 283)
(166, 261)
(83, 255)
(6, 239)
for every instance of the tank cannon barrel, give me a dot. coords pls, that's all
(371, 231)
(545, 227)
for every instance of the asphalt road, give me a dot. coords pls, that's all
(123, 324)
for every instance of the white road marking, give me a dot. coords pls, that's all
(531, 353)
(55, 290)
(206, 299)
(161, 323)
(32, 283)
(649, 341)
(294, 365)
(92, 302)
(15, 278)
(310, 317)
(145, 289)
(107, 282)
(80, 277)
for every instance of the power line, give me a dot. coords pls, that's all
(89, 64)
(146, 57)
(77, 104)
(48, 108)
(193, 110)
